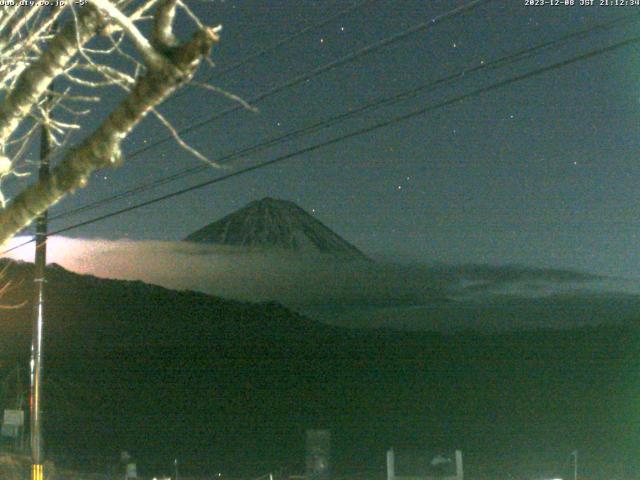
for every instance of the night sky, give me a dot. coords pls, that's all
(542, 172)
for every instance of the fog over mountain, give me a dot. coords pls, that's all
(360, 293)
(273, 250)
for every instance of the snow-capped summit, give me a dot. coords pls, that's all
(275, 223)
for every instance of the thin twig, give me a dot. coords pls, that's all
(226, 94)
(181, 142)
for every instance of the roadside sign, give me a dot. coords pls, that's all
(14, 418)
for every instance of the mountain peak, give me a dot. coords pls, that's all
(271, 202)
(275, 223)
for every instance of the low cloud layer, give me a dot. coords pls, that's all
(349, 293)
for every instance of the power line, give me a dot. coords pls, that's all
(385, 101)
(322, 69)
(272, 48)
(264, 51)
(350, 57)
(290, 38)
(341, 138)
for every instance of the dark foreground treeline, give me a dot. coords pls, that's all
(231, 387)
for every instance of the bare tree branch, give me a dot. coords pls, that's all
(181, 142)
(34, 81)
(163, 26)
(102, 148)
(148, 52)
(226, 94)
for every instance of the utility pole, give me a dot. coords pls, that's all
(19, 405)
(35, 397)
(574, 454)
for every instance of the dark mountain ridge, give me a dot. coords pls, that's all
(231, 386)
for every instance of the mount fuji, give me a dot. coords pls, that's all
(276, 224)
